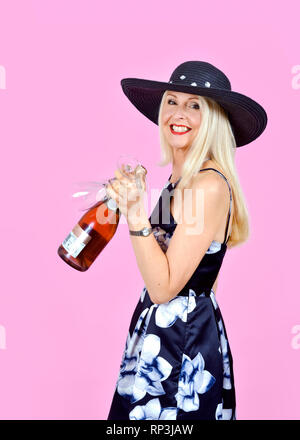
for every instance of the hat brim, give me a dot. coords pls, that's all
(248, 119)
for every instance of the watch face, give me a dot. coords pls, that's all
(145, 232)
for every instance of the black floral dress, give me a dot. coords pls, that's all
(177, 363)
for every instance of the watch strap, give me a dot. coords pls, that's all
(143, 232)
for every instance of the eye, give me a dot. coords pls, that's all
(192, 105)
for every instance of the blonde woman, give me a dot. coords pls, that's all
(177, 363)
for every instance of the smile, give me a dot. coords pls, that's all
(179, 129)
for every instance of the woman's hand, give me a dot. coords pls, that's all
(127, 193)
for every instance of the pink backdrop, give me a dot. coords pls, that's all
(64, 117)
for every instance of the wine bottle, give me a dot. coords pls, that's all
(90, 235)
(98, 225)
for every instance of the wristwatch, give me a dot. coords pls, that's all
(143, 232)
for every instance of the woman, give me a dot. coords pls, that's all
(177, 363)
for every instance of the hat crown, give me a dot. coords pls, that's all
(200, 74)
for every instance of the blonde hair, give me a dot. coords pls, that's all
(215, 139)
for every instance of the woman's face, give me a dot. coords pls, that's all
(181, 109)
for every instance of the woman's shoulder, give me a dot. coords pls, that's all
(208, 165)
(210, 176)
(211, 181)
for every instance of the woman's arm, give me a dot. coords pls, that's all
(165, 274)
(151, 260)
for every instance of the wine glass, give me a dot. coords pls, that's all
(87, 193)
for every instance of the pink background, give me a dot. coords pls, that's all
(64, 117)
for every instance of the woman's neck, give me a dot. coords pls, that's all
(178, 172)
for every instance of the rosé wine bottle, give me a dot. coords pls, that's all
(96, 227)
(90, 235)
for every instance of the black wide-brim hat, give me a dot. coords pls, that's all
(248, 119)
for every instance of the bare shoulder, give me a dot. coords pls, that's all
(212, 182)
(207, 186)
(217, 189)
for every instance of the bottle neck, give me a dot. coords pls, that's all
(111, 204)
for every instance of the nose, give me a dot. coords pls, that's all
(179, 111)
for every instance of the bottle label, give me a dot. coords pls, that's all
(76, 241)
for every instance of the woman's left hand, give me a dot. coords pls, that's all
(124, 189)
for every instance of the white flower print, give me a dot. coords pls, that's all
(213, 299)
(214, 247)
(162, 237)
(193, 379)
(143, 293)
(226, 364)
(142, 370)
(130, 360)
(152, 369)
(178, 307)
(223, 348)
(223, 413)
(153, 411)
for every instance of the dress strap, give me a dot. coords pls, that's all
(228, 217)
(169, 185)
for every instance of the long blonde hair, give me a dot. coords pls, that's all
(214, 139)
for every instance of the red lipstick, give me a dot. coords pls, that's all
(175, 132)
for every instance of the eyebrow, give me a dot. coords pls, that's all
(170, 94)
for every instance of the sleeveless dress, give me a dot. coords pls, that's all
(177, 363)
